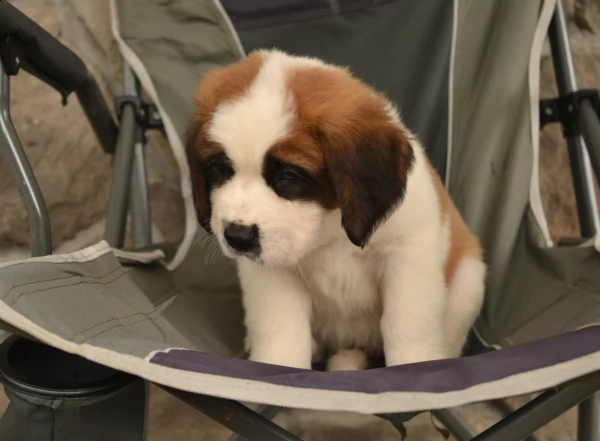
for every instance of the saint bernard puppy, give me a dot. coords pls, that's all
(347, 244)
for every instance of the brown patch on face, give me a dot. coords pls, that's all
(301, 150)
(218, 86)
(225, 84)
(462, 242)
(367, 157)
(301, 153)
(199, 152)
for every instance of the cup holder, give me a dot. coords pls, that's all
(40, 370)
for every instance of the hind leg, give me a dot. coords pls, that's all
(348, 360)
(465, 298)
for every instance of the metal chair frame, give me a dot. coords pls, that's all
(129, 194)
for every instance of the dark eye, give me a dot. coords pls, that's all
(284, 181)
(287, 181)
(286, 176)
(218, 171)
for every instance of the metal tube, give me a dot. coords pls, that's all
(96, 109)
(236, 417)
(130, 83)
(455, 424)
(590, 127)
(269, 412)
(141, 231)
(561, 52)
(39, 222)
(583, 180)
(587, 425)
(116, 218)
(541, 410)
(139, 205)
(581, 166)
(398, 420)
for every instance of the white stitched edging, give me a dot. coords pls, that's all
(175, 142)
(535, 198)
(80, 256)
(191, 224)
(305, 398)
(230, 28)
(91, 253)
(139, 256)
(451, 94)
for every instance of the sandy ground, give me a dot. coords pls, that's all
(172, 419)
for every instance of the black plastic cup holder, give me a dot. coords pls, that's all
(43, 371)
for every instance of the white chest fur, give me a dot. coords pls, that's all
(343, 283)
(389, 297)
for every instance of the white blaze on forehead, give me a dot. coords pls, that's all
(249, 126)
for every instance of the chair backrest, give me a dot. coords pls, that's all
(464, 74)
(400, 47)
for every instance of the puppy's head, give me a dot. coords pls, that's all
(279, 144)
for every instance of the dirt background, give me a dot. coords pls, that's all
(74, 175)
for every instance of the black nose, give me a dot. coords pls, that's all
(243, 238)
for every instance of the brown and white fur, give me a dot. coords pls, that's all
(344, 235)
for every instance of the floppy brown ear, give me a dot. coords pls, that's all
(368, 168)
(200, 192)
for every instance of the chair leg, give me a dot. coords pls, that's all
(581, 168)
(455, 424)
(398, 420)
(235, 416)
(589, 411)
(541, 410)
(16, 159)
(269, 412)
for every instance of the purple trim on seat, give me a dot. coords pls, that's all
(435, 376)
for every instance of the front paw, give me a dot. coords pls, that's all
(277, 356)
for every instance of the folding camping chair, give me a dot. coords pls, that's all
(91, 328)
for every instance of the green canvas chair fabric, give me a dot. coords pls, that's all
(465, 76)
